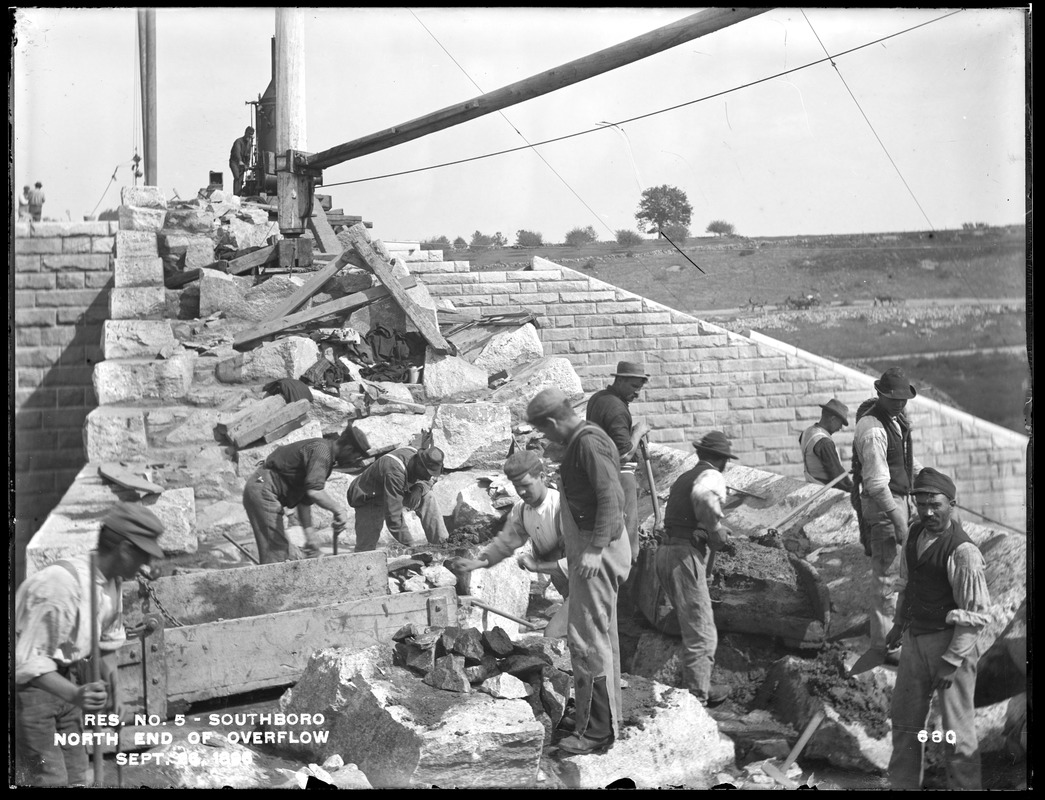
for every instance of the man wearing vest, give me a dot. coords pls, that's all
(294, 476)
(819, 454)
(883, 457)
(692, 526)
(53, 624)
(608, 408)
(598, 554)
(943, 605)
(397, 480)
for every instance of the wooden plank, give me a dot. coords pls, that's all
(119, 474)
(180, 279)
(322, 231)
(312, 285)
(284, 429)
(348, 303)
(248, 417)
(248, 261)
(218, 659)
(247, 435)
(425, 319)
(216, 594)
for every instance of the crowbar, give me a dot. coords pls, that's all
(797, 511)
(242, 549)
(96, 673)
(498, 612)
(779, 774)
(652, 483)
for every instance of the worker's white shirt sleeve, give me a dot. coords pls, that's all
(871, 444)
(512, 536)
(707, 496)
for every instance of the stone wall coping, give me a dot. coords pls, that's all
(42, 230)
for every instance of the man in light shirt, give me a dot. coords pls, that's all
(885, 468)
(943, 604)
(692, 527)
(53, 645)
(535, 518)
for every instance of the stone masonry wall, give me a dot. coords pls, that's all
(62, 274)
(759, 392)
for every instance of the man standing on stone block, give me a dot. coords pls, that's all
(397, 480)
(293, 476)
(535, 518)
(819, 454)
(36, 202)
(598, 553)
(239, 158)
(608, 408)
(884, 468)
(53, 629)
(943, 604)
(692, 528)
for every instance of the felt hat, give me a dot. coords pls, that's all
(522, 463)
(715, 442)
(630, 369)
(137, 525)
(432, 460)
(838, 408)
(249, 131)
(932, 481)
(894, 385)
(544, 402)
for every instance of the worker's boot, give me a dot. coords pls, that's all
(717, 693)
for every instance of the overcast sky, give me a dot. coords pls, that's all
(791, 155)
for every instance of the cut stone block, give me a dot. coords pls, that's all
(135, 379)
(527, 381)
(332, 413)
(61, 537)
(451, 484)
(192, 220)
(114, 434)
(503, 586)
(239, 233)
(449, 376)
(197, 427)
(284, 358)
(220, 292)
(133, 244)
(395, 430)
(138, 302)
(402, 733)
(510, 350)
(132, 271)
(137, 338)
(143, 197)
(133, 218)
(218, 519)
(249, 460)
(474, 509)
(196, 250)
(176, 509)
(472, 434)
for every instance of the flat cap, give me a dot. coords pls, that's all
(522, 463)
(932, 481)
(137, 525)
(545, 402)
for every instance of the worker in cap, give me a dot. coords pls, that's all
(240, 158)
(598, 554)
(692, 529)
(884, 468)
(295, 476)
(53, 629)
(533, 518)
(819, 454)
(401, 479)
(943, 605)
(609, 408)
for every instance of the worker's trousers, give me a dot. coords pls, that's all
(372, 516)
(41, 715)
(885, 564)
(910, 708)
(682, 574)
(265, 512)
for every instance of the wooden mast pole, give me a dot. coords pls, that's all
(147, 63)
(294, 189)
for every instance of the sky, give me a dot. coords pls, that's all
(924, 130)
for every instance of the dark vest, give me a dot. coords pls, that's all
(679, 519)
(898, 454)
(928, 596)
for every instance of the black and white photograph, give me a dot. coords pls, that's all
(520, 397)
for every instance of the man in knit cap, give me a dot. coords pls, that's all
(535, 518)
(599, 557)
(53, 629)
(943, 604)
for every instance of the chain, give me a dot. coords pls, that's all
(147, 590)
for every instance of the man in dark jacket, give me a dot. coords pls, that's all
(608, 408)
(397, 480)
(293, 476)
(598, 556)
(239, 158)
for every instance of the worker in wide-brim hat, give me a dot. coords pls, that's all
(609, 408)
(53, 643)
(943, 605)
(819, 454)
(884, 469)
(692, 529)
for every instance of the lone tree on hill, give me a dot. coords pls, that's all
(627, 238)
(579, 237)
(720, 227)
(460, 243)
(525, 238)
(662, 206)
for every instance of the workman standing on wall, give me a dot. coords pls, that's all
(239, 158)
(608, 408)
